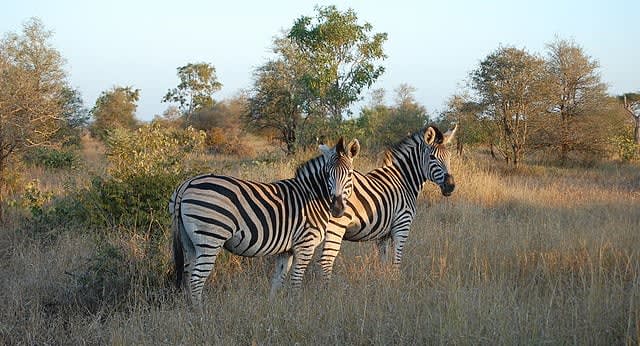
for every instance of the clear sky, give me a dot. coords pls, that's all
(432, 45)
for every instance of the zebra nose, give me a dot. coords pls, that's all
(448, 186)
(337, 206)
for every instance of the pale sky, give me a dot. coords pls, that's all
(432, 45)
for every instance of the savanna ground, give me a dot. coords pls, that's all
(542, 255)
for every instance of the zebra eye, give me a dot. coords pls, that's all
(432, 157)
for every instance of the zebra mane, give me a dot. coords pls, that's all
(310, 167)
(408, 142)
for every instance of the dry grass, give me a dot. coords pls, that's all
(539, 256)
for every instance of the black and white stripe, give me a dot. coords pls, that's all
(286, 218)
(383, 204)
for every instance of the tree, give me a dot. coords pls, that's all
(406, 116)
(198, 82)
(276, 99)
(474, 127)
(631, 102)
(576, 95)
(32, 83)
(115, 108)
(341, 56)
(75, 116)
(511, 85)
(274, 105)
(383, 125)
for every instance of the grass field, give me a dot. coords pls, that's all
(544, 255)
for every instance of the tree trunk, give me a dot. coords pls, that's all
(636, 130)
(629, 107)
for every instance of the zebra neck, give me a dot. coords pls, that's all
(407, 165)
(311, 180)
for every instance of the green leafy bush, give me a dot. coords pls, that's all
(51, 157)
(626, 148)
(144, 167)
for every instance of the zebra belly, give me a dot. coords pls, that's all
(358, 232)
(241, 244)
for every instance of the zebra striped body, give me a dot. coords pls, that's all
(383, 204)
(287, 217)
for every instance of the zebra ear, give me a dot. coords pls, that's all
(353, 148)
(340, 149)
(325, 150)
(430, 135)
(448, 136)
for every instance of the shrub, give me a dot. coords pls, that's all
(152, 150)
(626, 148)
(144, 167)
(51, 157)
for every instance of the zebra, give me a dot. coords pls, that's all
(286, 218)
(383, 204)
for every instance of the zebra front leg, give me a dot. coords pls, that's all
(331, 248)
(283, 264)
(303, 253)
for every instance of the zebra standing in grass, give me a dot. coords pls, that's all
(286, 217)
(383, 203)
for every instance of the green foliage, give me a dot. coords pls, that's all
(381, 125)
(34, 199)
(342, 56)
(144, 167)
(626, 148)
(51, 157)
(277, 98)
(198, 82)
(114, 109)
(512, 86)
(32, 81)
(152, 150)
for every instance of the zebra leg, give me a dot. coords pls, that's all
(331, 248)
(207, 244)
(399, 239)
(303, 253)
(283, 264)
(383, 247)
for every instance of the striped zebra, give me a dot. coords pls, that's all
(383, 204)
(287, 218)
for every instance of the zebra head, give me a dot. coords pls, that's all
(435, 160)
(339, 171)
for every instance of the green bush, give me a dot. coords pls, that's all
(144, 167)
(51, 157)
(626, 148)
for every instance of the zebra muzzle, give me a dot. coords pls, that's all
(337, 206)
(448, 186)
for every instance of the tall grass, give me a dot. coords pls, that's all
(536, 256)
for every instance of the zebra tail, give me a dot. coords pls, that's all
(178, 252)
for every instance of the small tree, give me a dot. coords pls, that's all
(511, 85)
(276, 100)
(115, 108)
(474, 127)
(32, 83)
(576, 94)
(341, 55)
(198, 82)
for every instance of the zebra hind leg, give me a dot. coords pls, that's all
(383, 249)
(283, 265)
(205, 258)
